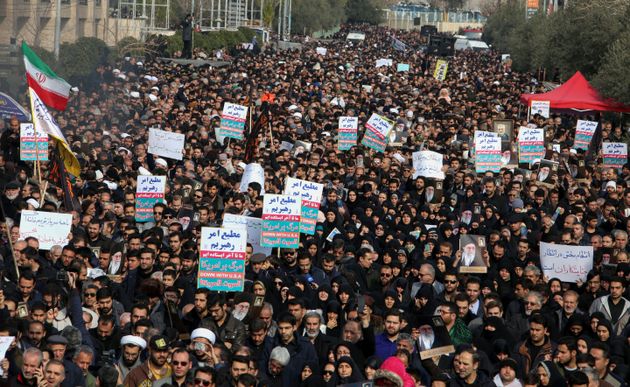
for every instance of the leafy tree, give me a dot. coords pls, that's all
(79, 59)
(612, 78)
(365, 11)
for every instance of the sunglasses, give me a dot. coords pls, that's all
(451, 281)
(180, 363)
(89, 294)
(202, 382)
(328, 372)
(168, 216)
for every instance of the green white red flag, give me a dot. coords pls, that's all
(53, 90)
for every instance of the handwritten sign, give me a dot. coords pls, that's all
(222, 259)
(487, 152)
(253, 227)
(253, 173)
(402, 67)
(31, 139)
(441, 68)
(311, 194)
(166, 144)
(50, 228)
(584, 132)
(531, 144)
(376, 132)
(5, 343)
(383, 62)
(427, 164)
(348, 127)
(149, 191)
(541, 107)
(281, 221)
(233, 120)
(615, 154)
(567, 263)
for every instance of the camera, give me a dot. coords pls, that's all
(199, 346)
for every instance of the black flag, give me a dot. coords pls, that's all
(259, 127)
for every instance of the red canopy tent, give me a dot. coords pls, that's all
(577, 94)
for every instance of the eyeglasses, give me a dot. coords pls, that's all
(168, 216)
(180, 363)
(89, 294)
(326, 372)
(386, 274)
(450, 281)
(202, 382)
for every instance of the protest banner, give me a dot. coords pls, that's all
(5, 343)
(253, 227)
(487, 152)
(50, 228)
(348, 128)
(383, 62)
(222, 259)
(281, 221)
(584, 132)
(321, 51)
(531, 144)
(615, 154)
(311, 195)
(149, 191)
(402, 67)
(166, 144)
(233, 120)
(427, 164)
(541, 107)
(31, 139)
(565, 262)
(253, 172)
(376, 131)
(441, 68)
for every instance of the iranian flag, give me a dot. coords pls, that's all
(52, 89)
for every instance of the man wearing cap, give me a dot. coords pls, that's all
(130, 354)
(154, 368)
(73, 374)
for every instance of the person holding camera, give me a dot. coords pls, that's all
(155, 367)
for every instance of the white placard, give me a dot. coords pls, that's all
(253, 226)
(5, 343)
(254, 172)
(541, 107)
(384, 62)
(321, 51)
(50, 228)
(348, 123)
(379, 125)
(565, 262)
(166, 144)
(428, 164)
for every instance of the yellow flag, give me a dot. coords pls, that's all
(43, 121)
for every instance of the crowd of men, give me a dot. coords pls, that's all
(119, 304)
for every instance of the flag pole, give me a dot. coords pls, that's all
(38, 170)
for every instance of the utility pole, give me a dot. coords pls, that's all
(57, 28)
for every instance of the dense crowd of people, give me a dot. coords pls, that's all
(119, 304)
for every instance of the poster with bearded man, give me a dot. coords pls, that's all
(433, 337)
(472, 248)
